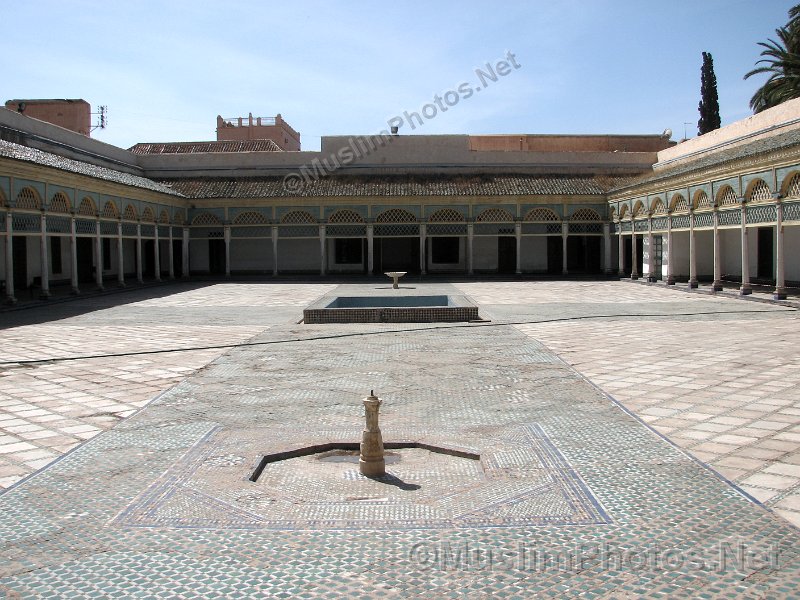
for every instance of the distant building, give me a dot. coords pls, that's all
(248, 128)
(75, 115)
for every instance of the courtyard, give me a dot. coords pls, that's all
(633, 440)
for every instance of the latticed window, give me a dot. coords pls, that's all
(59, 204)
(148, 216)
(206, 219)
(495, 215)
(658, 207)
(28, 199)
(542, 215)
(701, 201)
(163, 217)
(130, 213)
(396, 215)
(446, 215)
(109, 210)
(760, 192)
(793, 190)
(86, 207)
(345, 215)
(638, 209)
(178, 218)
(727, 197)
(297, 217)
(623, 212)
(679, 204)
(250, 218)
(585, 214)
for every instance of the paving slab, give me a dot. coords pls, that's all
(572, 494)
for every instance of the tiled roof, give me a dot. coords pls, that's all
(197, 147)
(763, 146)
(484, 185)
(17, 152)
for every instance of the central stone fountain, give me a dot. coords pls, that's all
(371, 463)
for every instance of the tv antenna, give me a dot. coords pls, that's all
(101, 118)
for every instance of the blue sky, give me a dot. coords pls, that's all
(167, 69)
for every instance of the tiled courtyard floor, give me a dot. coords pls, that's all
(571, 497)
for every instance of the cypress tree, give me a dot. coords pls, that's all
(709, 101)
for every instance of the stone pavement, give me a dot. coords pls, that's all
(724, 386)
(572, 495)
(49, 408)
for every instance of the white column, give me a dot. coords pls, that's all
(226, 234)
(370, 248)
(470, 238)
(564, 235)
(620, 251)
(780, 281)
(423, 240)
(98, 256)
(634, 253)
(692, 254)
(10, 298)
(139, 253)
(120, 257)
(156, 252)
(651, 259)
(717, 284)
(607, 248)
(45, 258)
(171, 254)
(745, 288)
(670, 278)
(73, 256)
(518, 234)
(185, 254)
(323, 251)
(274, 250)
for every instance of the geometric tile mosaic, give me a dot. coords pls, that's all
(521, 479)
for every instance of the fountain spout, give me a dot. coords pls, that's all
(371, 462)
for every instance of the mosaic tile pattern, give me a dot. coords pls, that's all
(520, 479)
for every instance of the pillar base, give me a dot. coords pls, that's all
(716, 286)
(779, 294)
(75, 291)
(745, 290)
(10, 300)
(634, 276)
(45, 295)
(692, 285)
(670, 280)
(100, 288)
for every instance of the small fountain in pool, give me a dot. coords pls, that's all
(371, 462)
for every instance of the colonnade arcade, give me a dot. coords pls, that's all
(62, 236)
(421, 239)
(712, 233)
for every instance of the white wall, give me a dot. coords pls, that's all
(485, 253)
(251, 255)
(791, 252)
(533, 251)
(298, 255)
(704, 245)
(730, 243)
(679, 254)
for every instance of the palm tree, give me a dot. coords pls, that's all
(782, 62)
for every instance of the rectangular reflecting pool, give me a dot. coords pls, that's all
(391, 309)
